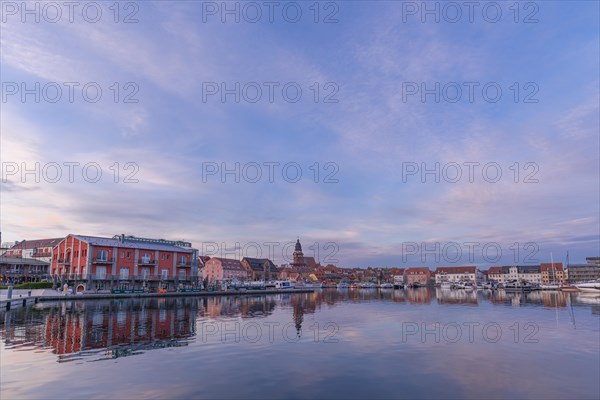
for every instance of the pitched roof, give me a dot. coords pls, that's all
(310, 262)
(456, 270)
(22, 261)
(528, 269)
(35, 244)
(258, 264)
(551, 267)
(496, 270)
(228, 263)
(418, 269)
(133, 244)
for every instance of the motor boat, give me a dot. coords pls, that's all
(284, 285)
(517, 286)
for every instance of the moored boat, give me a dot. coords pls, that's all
(550, 286)
(284, 285)
(565, 287)
(589, 286)
(517, 286)
(313, 285)
(367, 285)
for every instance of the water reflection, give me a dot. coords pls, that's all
(99, 330)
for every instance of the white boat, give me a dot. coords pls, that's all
(284, 285)
(550, 286)
(367, 285)
(387, 285)
(313, 285)
(343, 285)
(469, 287)
(446, 285)
(589, 286)
(516, 286)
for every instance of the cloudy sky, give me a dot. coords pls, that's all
(210, 121)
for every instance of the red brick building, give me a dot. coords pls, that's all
(418, 275)
(124, 262)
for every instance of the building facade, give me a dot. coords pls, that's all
(220, 269)
(497, 274)
(40, 249)
(261, 269)
(552, 273)
(17, 270)
(529, 273)
(418, 275)
(583, 272)
(124, 262)
(456, 274)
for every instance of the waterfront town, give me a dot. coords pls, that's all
(130, 264)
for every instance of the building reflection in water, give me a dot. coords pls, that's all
(103, 329)
(447, 296)
(108, 329)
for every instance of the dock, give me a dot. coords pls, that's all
(8, 304)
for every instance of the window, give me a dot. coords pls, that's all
(124, 273)
(164, 273)
(183, 260)
(122, 254)
(168, 256)
(102, 255)
(162, 256)
(145, 273)
(146, 258)
(128, 254)
(182, 274)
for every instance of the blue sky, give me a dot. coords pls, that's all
(175, 129)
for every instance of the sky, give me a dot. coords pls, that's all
(380, 133)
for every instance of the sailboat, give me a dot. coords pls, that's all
(551, 285)
(565, 287)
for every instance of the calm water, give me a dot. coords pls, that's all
(419, 343)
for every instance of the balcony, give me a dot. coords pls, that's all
(149, 278)
(63, 261)
(103, 260)
(41, 254)
(146, 261)
(184, 264)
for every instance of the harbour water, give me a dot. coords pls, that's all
(375, 343)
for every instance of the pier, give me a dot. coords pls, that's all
(23, 301)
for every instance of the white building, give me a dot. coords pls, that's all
(456, 274)
(529, 273)
(40, 249)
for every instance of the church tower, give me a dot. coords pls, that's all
(298, 255)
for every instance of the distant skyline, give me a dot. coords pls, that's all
(187, 99)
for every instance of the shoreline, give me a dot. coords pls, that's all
(8, 304)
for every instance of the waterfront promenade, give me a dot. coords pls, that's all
(21, 299)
